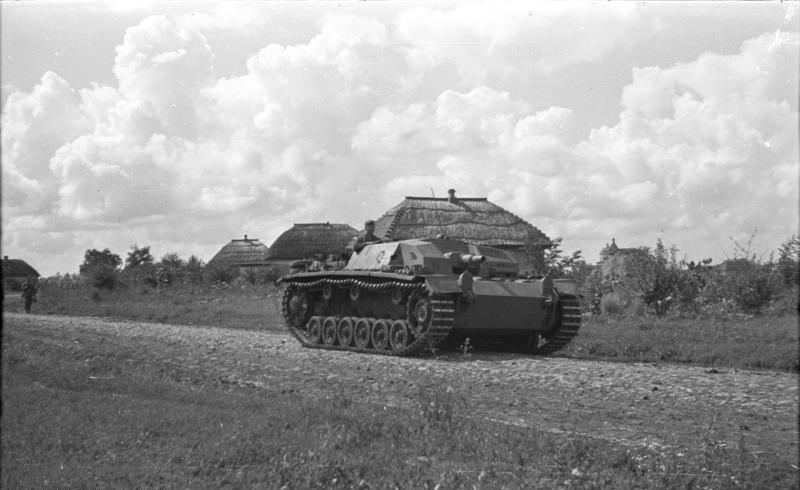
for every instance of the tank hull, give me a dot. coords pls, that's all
(424, 311)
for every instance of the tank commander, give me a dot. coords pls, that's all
(365, 237)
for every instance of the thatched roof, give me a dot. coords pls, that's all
(473, 220)
(17, 268)
(305, 240)
(242, 252)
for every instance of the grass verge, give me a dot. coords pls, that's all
(103, 422)
(744, 343)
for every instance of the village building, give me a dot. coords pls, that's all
(242, 253)
(323, 241)
(15, 273)
(474, 220)
(614, 260)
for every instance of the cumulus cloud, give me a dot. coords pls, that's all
(368, 110)
(715, 136)
(480, 43)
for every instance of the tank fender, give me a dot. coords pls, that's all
(443, 284)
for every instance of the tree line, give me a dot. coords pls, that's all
(653, 280)
(106, 270)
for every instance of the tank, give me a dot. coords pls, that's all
(407, 297)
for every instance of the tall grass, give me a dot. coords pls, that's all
(108, 423)
(245, 306)
(747, 342)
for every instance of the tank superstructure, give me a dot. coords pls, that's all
(407, 297)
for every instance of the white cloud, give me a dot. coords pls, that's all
(483, 42)
(368, 110)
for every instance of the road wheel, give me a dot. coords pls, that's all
(380, 334)
(362, 332)
(398, 335)
(314, 329)
(329, 330)
(346, 327)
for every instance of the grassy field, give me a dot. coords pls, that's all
(108, 422)
(765, 342)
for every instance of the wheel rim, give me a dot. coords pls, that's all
(362, 333)
(399, 335)
(327, 291)
(346, 331)
(314, 330)
(329, 331)
(380, 334)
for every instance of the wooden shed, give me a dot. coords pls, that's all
(474, 220)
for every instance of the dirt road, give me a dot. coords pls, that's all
(658, 405)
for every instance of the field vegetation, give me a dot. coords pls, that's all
(740, 315)
(108, 421)
(103, 422)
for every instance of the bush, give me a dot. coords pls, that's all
(216, 274)
(611, 304)
(743, 285)
(102, 276)
(260, 275)
(786, 303)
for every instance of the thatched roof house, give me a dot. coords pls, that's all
(474, 220)
(246, 252)
(308, 240)
(15, 272)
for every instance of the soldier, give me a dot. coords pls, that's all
(366, 237)
(29, 293)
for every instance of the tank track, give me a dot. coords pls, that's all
(569, 324)
(420, 340)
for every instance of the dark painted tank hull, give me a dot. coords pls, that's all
(418, 312)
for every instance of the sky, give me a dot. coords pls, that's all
(184, 125)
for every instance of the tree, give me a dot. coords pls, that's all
(101, 267)
(656, 277)
(789, 261)
(138, 257)
(557, 264)
(170, 268)
(194, 269)
(172, 260)
(93, 258)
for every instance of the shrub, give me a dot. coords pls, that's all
(744, 285)
(217, 274)
(259, 275)
(786, 303)
(611, 304)
(102, 276)
(789, 261)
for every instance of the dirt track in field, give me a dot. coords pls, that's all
(656, 405)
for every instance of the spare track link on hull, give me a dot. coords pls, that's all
(568, 326)
(443, 309)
